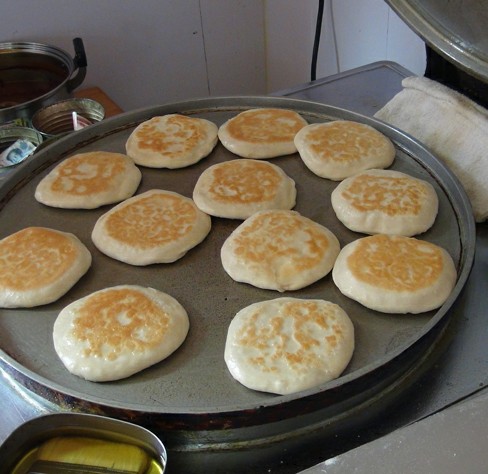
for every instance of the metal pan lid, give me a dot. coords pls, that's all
(455, 29)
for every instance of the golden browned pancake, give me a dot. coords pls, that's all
(385, 202)
(342, 148)
(279, 250)
(89, 180)
(237, 189)
(39, 265)
(287, 344)
(262, 133)
(171, 141)
(118, 331)
(395, 274)
(154, 227)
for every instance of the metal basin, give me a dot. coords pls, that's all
(35, 74)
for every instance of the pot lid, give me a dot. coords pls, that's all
(456, 29)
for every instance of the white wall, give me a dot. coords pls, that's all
(147, 52)
(369, 31)
(234, 38)
(354, 33)
(290, 29)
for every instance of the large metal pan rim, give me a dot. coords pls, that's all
(69, 144)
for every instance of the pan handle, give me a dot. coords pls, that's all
(80, 63)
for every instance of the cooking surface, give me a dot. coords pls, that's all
(450, 379)
(187, 381)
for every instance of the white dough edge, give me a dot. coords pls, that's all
(52, 292)
(242, 271)
(254, 150)
(337, 171)
(167, 253)
(395, 302)
(377, 222)
(125, 187)
(101, 369)
(152, 159)
(285, 197)
(333, 361)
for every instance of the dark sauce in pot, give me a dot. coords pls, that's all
(26, 76)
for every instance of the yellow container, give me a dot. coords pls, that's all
(88, 442)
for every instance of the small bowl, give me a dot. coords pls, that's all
(67, 116)
(19, 452)
(9, 135)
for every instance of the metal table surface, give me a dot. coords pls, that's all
(460, 367)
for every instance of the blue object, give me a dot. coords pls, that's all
(16, 153)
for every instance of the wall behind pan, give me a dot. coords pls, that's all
(150, 52)
(354, 33)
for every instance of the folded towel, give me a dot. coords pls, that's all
(452, 126)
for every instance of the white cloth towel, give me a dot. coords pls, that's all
(452, 126)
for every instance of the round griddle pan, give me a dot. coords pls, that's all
(190, 398)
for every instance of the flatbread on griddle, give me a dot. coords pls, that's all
(287, 345)
(262, 133)
(39, 265)
(341, 148)
(153, 227)
(395, 274)
(171, 141)
(279, 250)
(89, 180)
(385, 202)
(237, 189)
(118, 331)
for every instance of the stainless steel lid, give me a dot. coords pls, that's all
(455, 29)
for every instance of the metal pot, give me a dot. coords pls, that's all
(33, 75)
